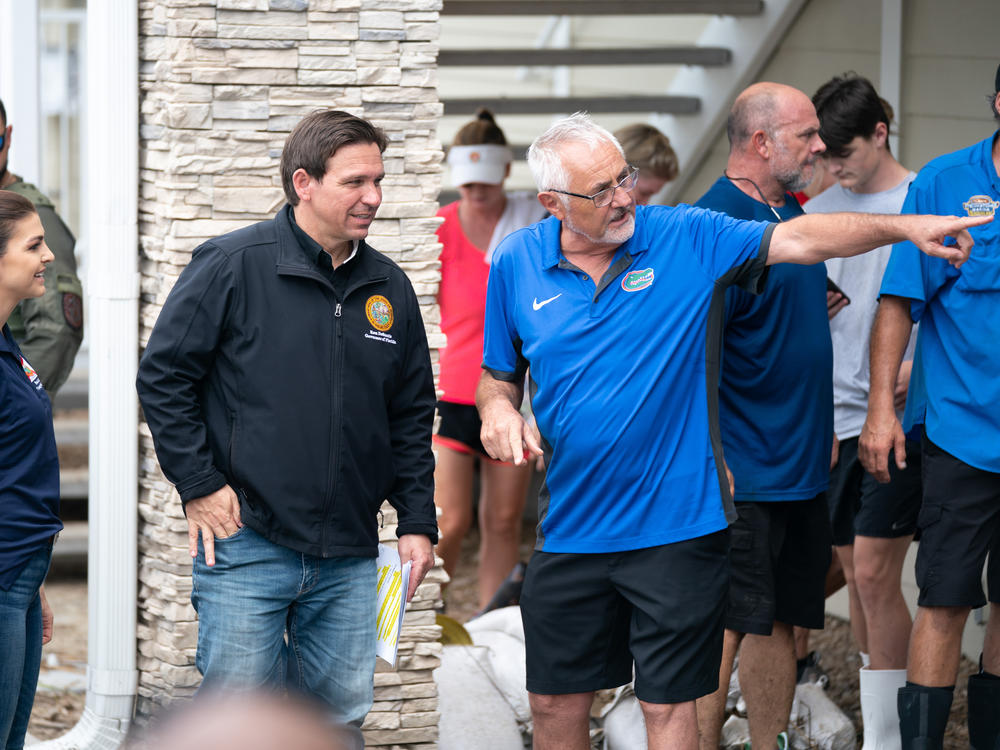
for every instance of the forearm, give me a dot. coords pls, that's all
(492, 393)
(890, 334)
(813, 238)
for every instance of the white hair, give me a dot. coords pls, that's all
(544, 159)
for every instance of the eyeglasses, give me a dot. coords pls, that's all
(604, 197)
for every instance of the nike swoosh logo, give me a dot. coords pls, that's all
(536, 305)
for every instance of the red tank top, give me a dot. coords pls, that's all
(462, 297)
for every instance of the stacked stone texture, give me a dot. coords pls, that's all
(222, 84)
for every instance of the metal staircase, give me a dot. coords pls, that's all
(674, 63)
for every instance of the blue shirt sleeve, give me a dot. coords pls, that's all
(501, 342)
(731, 251)
(910, 273)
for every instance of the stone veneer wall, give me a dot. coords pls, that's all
(222, 84)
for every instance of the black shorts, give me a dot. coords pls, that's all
(780, 556)
(588, 617)
(859, 505)
(959, 525)
(459, 428)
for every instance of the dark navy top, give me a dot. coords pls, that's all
(624, 373)
(29, 465)
(954, 390)
(776, 390)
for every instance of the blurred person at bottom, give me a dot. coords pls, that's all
(29, 477)
(473, 226)
(649, 151)
(254, 721)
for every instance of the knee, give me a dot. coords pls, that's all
(562, 707)
(874, 578)
(942, 621)
(505, 522)
(669, 714)
(454, 522)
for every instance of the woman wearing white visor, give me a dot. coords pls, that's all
(473, 226)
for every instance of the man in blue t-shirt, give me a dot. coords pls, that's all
(618, 311)
(955, 395)
(776, 415)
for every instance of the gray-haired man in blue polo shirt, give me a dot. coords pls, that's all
(616, 311)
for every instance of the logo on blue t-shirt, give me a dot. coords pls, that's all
(32, 375)
(980, 205)
(637, 280)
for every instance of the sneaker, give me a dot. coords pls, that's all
(809, 670)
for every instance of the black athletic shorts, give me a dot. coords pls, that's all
(459, 428)
(959, 525)
(589, 617)
(780, 555)
(861, 505)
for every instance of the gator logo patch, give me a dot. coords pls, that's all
(980, 205)
(637, 280)
(379, 312)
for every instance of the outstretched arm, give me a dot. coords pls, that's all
(816, 237)
(505, 433)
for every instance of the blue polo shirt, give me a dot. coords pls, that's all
(955, 386)
(623, 375)
(776, 390)
(29, 464)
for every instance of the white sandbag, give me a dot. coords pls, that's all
(624, 726)
(505, 620)
(505, 660)
(735, 732)
(473, 712)
(817, 722)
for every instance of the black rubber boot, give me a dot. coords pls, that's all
(923, 715)
(984, 712)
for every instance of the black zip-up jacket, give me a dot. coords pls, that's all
(312, 407)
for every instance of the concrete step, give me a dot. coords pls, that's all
(73, 394)
(73, 484)
(72, 541)
(71, 430)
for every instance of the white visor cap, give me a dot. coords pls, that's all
(486, 163)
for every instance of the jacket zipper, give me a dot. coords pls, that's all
(338, 412)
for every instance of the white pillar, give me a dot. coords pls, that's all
(19, 84)
(113, 309)
(891, 64)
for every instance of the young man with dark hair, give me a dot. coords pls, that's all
(288, 387)
(954, 399)
(873, 524)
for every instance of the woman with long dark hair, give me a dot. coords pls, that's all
(29, 477)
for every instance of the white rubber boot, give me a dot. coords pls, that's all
(878, 707)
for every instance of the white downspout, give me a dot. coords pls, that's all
(113, 310)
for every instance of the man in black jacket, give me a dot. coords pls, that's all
(288, 387)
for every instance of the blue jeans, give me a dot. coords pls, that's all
(273, 618)
(21, 648)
